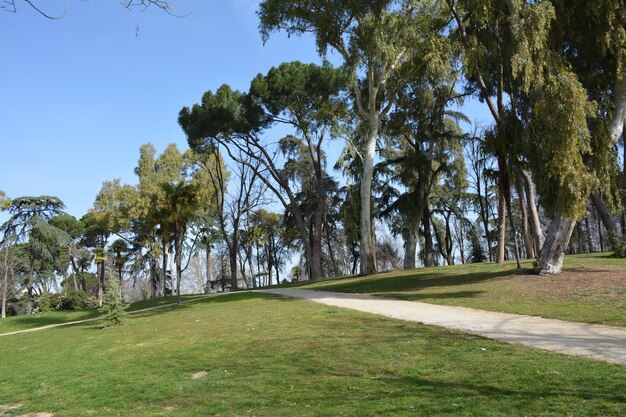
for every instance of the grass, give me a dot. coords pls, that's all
(271, 356)
(11, 324)
(592, 288)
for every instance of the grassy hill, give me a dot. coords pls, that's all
(592, 288)
(260, 355)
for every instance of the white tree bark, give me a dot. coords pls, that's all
(368, 246)
(553, 250)
(561, 228)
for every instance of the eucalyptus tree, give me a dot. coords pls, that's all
(424, 134)
(591, 36)
(377, 41)
(508, 52)
(303, 97)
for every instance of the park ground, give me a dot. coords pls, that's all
(254, 354)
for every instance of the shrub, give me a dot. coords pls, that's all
(73, 300)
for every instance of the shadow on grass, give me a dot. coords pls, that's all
(221, 298)
(418, 280)
(39, 320)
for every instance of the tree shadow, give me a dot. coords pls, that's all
(419, 280)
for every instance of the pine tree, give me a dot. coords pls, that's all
(113, 309)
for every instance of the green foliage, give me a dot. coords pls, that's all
(477, 254)
(113, 309)
(73, 300)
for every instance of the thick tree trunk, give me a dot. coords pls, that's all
(553, 250)
(315, 264)
(368, 245)
(533, 214)
(410, 246)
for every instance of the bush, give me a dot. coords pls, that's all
(74, 300)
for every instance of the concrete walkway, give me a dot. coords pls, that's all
(589, 340)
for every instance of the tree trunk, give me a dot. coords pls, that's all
(606, 217)
(164, 267)
(410, 246)
(529, 245)
(429, 257)
(484, 215)
(553, 250)
(209, 270)
(101, 272)
(232, 257)
(368, 245)
(501, 222)
(590, 248)
(315, 264)
(5, 281)
(533, 215)
(624, 184)
(178, 260)
(331, 253)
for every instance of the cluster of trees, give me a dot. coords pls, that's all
(550, 73)
(255, 193)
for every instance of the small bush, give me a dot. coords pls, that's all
(74, 300)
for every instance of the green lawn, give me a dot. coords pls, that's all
(270, 356)
(592, 288)
(11, 324)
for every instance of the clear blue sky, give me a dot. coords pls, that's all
(79, 95)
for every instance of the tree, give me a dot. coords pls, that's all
(180, 210)
(377, 41)
(507, 52)
(304, 97)
(29, 222)
(112, 308)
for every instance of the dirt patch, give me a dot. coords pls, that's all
(37, 415)
(574, 283)
(5, 407)
(198, 375)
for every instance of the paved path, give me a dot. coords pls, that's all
(582, 339)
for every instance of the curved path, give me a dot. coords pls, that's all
(593, 341)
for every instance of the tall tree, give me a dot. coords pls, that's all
(303, 97)
(377, 40)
